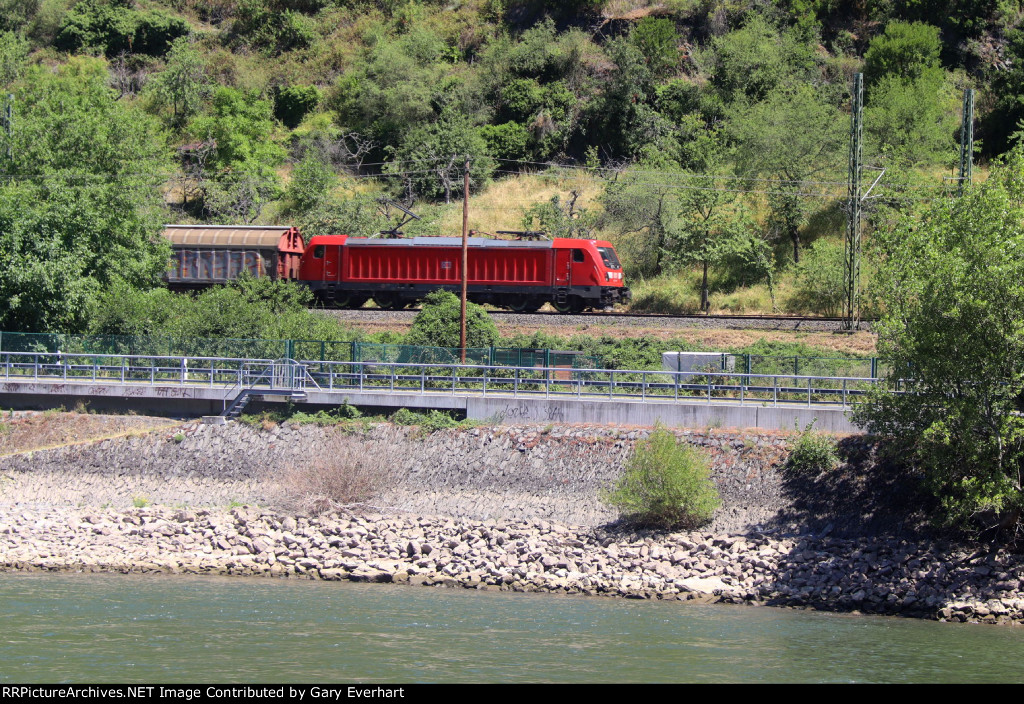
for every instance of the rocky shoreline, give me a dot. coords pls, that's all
(898, 577)
(498, 508)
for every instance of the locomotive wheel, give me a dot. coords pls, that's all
(525, 304)
(350, 301)
(387, 301)
(573, 305)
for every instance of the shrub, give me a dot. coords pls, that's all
(437, 323)
(665, 484)
(346, 473)
(428, 422)
(820, 279)
(293, 102)
(813, 451)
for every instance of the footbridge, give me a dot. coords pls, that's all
(501, 394)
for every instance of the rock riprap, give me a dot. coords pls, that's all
(920, 578)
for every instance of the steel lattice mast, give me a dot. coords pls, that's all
(967, 140)
(852, 259)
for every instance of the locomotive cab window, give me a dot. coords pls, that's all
(318, 252)
(577, 256)
(608, 257)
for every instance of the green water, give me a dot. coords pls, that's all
(116, 628)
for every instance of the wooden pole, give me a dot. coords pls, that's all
(465, 260)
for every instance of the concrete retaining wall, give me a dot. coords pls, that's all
(501, 409)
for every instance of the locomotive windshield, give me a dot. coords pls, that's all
(608, 257)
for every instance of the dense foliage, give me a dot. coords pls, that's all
(953, 331)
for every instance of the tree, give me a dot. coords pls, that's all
(293, 102)
(438, 323)
(638, 207)
(665, 484)
(793, 136)
(115, 27)
(183, 84)
(240, 171)
(911, 111)
(432, 157)
(705, 225)
(906, 50)
(560, 219)
(312, 182)
(821, 279)
(657, 40)
(749, 63)
(953, 334)
(84, 211)
(13, 54)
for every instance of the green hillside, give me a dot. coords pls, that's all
(707, 139)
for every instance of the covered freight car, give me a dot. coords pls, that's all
(206, 255)
(572, 275)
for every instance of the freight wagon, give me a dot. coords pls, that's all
(573, 275)
(207, 255)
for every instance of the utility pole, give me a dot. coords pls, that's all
(852, 259)
(465, 260)
(967, 140)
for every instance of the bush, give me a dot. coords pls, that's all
(428, 422)
(820, 280)
(347, 472)
(666, 484)
(293, 102)
(813, 451)
(437, 323)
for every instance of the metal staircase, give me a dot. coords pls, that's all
(284, 377)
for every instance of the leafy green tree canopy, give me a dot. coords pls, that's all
(312, 182)
(748, 63)
(115, 27)
(658, 41)
(183, 84)
(84, 210)
(241, 171)
(794, 135)
(905, 49)
(432, 157)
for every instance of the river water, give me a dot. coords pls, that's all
(145, 629)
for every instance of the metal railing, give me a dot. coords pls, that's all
(234, 375)
(594, 384)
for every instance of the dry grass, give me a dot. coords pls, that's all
(504, 202)
(40, 431)
(630, 9)
(347, 471)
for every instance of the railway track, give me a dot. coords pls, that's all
(622, 320)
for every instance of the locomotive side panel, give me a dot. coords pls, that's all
(443, 265)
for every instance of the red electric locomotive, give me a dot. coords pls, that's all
(572, 275)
